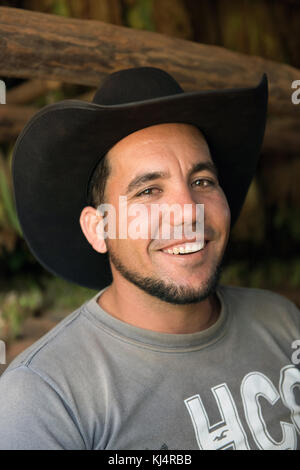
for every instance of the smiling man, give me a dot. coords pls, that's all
(163, 356)
(174, 166)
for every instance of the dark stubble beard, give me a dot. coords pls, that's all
(169, 292)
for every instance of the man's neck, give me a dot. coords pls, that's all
(131, 305)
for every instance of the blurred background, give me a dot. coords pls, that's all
(264, 247)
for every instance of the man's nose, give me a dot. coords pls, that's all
(186, 202)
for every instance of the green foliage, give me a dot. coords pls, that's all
(7, 207)
(15, 307)
(26, 298)
(288, 219)
(17, 259)
(273, 274)
(49, 98)
(295, 274)
(139, 15)
(60, 294)
(61, 7)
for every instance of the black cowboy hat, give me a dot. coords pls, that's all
(59, 148)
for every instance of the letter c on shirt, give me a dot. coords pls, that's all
(255, 385)
(289, 379)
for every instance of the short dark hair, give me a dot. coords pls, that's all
(98, 182)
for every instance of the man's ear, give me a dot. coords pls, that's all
(90, 222)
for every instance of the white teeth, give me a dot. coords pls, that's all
(186, 248)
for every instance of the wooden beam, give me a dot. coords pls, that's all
(38, 45)
(50, 49)
(30, 90)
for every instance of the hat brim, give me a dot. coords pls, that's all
(58, 149)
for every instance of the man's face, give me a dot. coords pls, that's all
(161, 165)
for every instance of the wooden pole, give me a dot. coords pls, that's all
(50, 50)
(30, 90)
(45, 46)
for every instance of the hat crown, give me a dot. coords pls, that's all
(136, 84)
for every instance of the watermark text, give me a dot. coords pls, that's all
(296, 94)
(2, 352)
(157, 221)
(2, 92)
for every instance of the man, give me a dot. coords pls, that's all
(162, 357)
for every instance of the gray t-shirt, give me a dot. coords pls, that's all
(95, 382)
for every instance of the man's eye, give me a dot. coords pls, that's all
(147, 192)
(203, 183)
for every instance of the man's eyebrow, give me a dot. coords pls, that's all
(144, 178)
(153, 175)
(202, 166)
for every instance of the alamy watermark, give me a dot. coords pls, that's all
(139, 221)
(296, 354)
(2, 343)
(2, 92)
(2, 352)
(296, 94)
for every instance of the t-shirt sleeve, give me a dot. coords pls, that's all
(33, 415)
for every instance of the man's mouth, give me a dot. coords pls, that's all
(185, 248)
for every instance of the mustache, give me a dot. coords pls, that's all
(188, 235)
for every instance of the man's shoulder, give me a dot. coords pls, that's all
(37, 410)
(255, 294)
(261, 303)
(59, 340)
